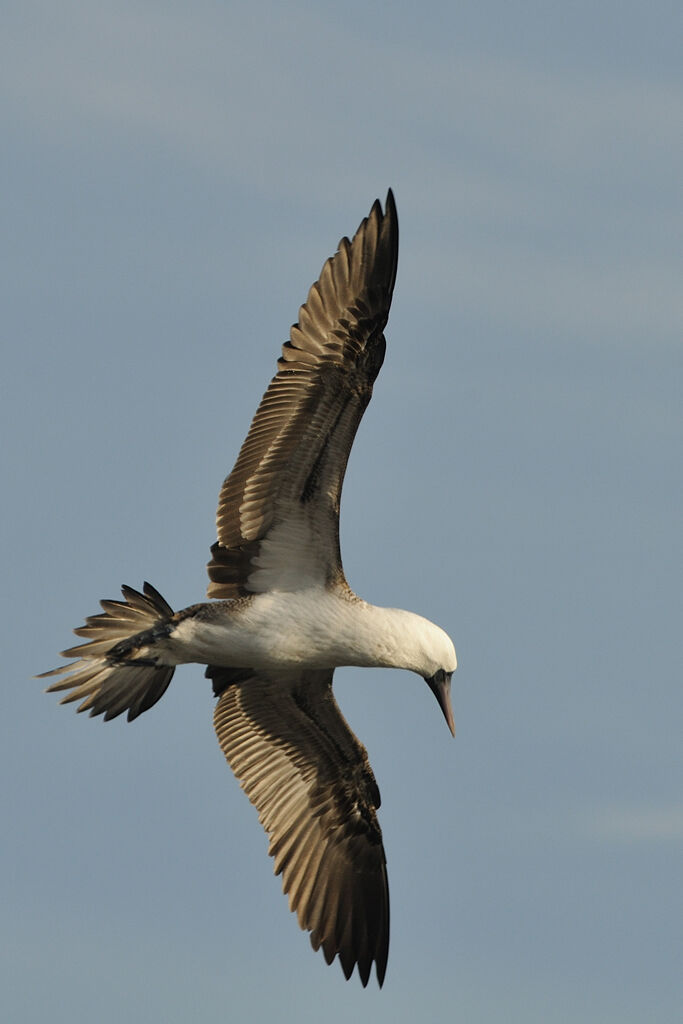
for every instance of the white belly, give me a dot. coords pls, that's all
(303, 629)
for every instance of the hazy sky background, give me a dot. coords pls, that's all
(174, 176)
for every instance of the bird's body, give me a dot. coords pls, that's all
(305, 629)
(285, 617)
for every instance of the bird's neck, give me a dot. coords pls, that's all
(384, 637)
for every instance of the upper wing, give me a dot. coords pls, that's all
(280, 504)
(311, 782)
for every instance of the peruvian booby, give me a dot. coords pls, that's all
(284, 617)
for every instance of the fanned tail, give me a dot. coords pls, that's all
(117, 669)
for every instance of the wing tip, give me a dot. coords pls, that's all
(380, 231)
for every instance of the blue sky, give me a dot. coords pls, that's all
(174, 177)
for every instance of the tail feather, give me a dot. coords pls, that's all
(114, 671)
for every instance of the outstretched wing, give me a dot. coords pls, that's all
(278, 511)
(311, 783)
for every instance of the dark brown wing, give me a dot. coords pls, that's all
(311, 783)
(287, 481)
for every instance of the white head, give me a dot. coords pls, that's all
(437, 649)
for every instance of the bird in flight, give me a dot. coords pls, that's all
(283, 617)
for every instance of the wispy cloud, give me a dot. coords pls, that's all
(553, 188)
(268, 73)
(638, 824)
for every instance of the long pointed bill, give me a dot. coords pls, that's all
(440, 685)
